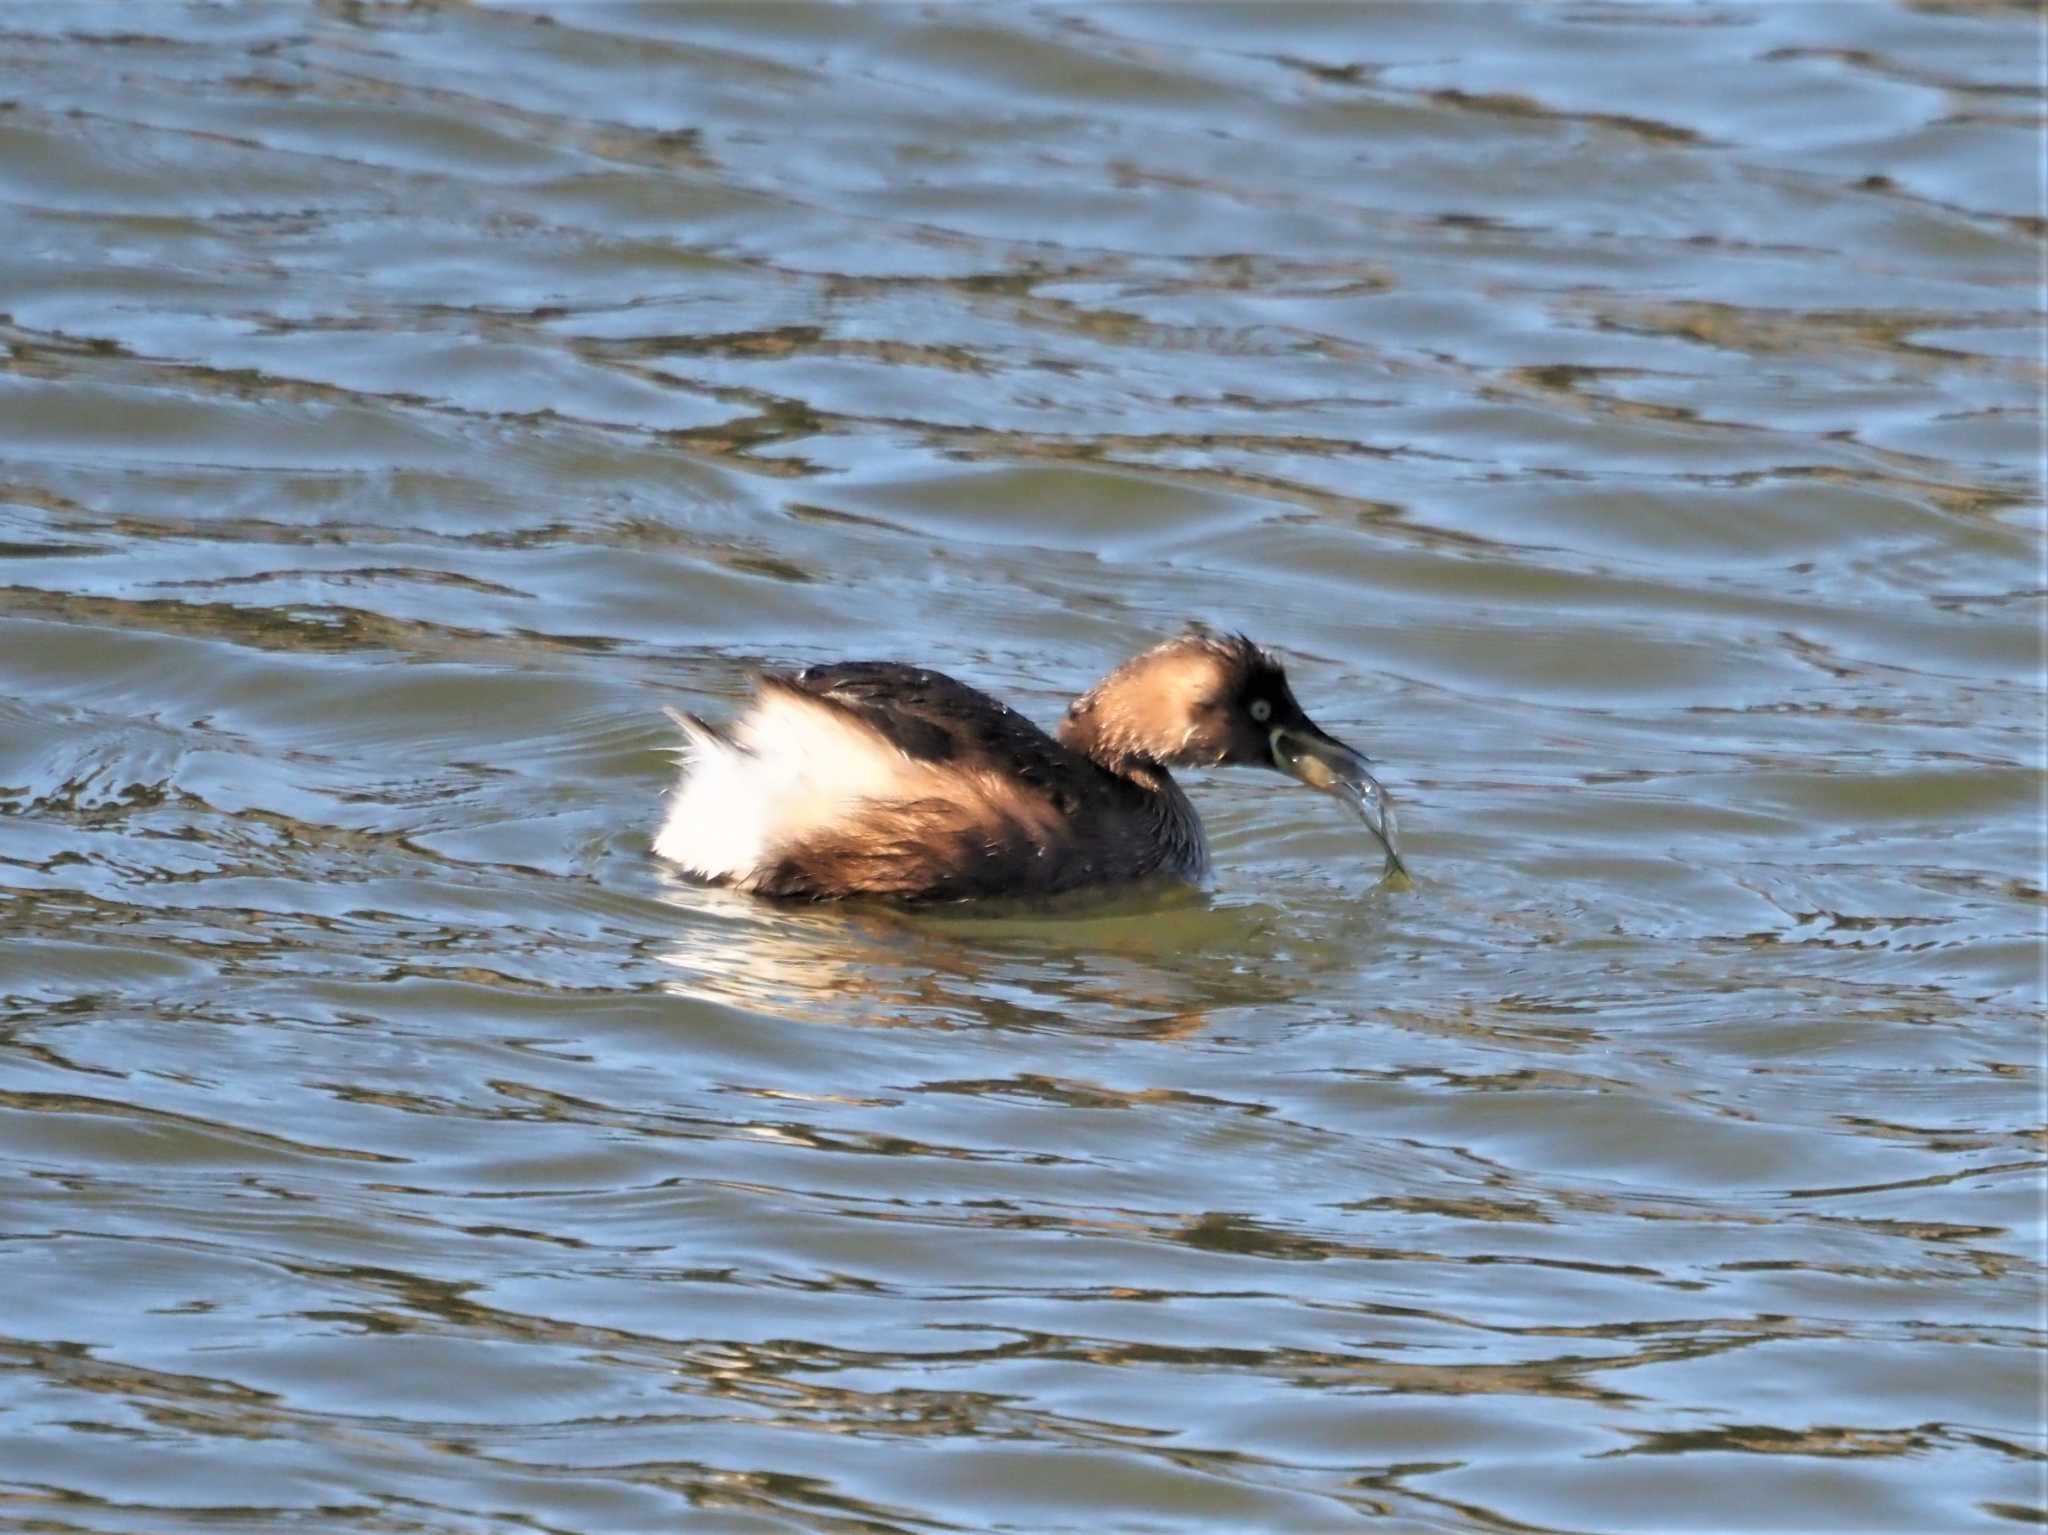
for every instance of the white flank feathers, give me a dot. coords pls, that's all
(792, 767)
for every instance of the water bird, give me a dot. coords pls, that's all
(873, 778)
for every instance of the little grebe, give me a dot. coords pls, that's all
(872, 778)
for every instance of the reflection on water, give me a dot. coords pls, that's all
(1146, 962)
(1625, 417)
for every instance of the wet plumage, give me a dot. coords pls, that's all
(875, 778)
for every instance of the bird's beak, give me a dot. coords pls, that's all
(1323, 762)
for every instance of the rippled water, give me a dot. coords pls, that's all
(1626, 419)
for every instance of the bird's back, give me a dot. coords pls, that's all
(874, 778)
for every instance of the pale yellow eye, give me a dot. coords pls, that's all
(1261, 710)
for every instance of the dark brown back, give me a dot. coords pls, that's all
(991, 804)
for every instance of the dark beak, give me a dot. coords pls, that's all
(1323, 762)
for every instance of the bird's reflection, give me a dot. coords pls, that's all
(1155, 964)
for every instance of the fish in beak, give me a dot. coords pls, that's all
(1323, 762)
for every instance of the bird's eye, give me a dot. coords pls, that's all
(1261, 710)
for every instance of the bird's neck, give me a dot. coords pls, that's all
(1105, 737)
(1182, 847)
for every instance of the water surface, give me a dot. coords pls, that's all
(1626, 419)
